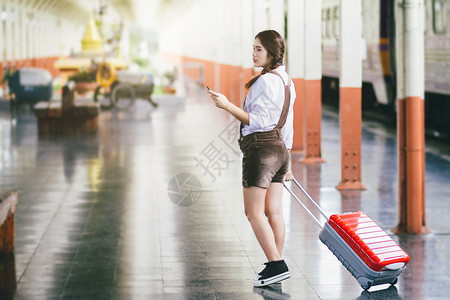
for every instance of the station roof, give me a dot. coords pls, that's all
(147, 13)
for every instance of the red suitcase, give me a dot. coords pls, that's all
(369, 241)
(367, 252)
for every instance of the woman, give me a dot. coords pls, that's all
(266, 136)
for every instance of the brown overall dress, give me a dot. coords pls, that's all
(265, 156)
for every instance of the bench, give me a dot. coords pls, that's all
(8, 203)
(68, 116)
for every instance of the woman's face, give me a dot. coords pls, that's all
(260, 57)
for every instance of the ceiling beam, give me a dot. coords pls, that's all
(126, 6)
(73, 12)
(37, 4)
(54, 9)
(47, 4)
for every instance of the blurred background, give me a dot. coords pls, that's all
(210, 41)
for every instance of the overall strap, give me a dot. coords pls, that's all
(286, 104)
(287, 101)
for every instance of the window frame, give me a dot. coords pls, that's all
(443, 29)
(328, 22)
(336, 21)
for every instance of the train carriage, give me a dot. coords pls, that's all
(378, 54)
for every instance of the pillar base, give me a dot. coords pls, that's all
(399, 229)
(313, 160)
(297, 151)
(355, 185)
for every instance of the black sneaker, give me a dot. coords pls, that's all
(275, 271)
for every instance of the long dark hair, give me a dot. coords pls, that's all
(274, 43)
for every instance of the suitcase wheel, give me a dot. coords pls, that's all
(365, 283)
(367, 286)
(394, 282)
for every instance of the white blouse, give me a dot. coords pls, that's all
(264, 104)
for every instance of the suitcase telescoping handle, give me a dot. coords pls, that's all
(310, 198)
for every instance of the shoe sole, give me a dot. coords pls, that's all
(274, 279)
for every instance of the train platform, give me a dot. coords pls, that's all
(151, 207)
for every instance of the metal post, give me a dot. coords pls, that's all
(410, 120)
(350, 94)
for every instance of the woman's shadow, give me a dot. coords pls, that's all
(271, 292)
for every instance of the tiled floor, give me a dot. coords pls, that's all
(103, 217)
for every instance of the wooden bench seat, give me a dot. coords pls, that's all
(69, 116)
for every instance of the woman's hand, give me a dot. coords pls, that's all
(220, 100)
(288, 176)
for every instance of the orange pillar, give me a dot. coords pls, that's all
(411, 165)
(350, 81)
(236, 85)
(298, 145)
(209, 73)
(248, 74)
(225, 80)
(410, 117)
(313, 118)
(350, 123)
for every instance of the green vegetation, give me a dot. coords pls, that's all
(83, 75)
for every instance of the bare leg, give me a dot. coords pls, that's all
(274, 213)
(254, 202)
